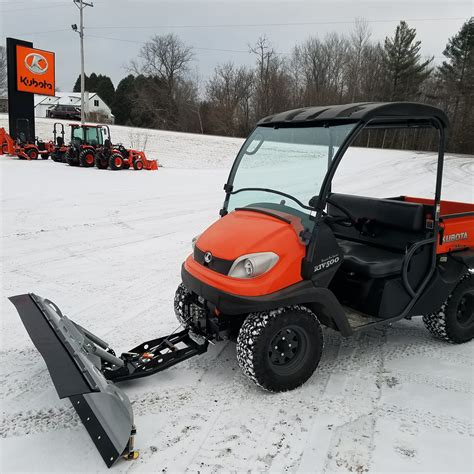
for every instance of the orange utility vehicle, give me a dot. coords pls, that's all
(286, 257)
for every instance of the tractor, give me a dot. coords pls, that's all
(58, 154)
(117, 157)
(27, 148)
(85, 141)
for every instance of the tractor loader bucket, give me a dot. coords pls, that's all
(74, 356)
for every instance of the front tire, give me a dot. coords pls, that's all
(279, 350)
(87, 158)
(101, 162)
(116, 161)
(32, 153)
(454, 322)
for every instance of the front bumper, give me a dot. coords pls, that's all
(228, 303)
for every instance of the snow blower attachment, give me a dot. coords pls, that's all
(83, 368)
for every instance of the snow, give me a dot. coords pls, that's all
(107, 248)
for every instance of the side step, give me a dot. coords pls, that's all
(358, 320)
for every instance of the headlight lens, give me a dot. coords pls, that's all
(253, 265)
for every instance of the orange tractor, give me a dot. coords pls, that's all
(23, 146)
(117, 157)
(85, 140)
(60, 149)
(28, 148)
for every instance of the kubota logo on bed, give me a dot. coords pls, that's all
(455, 237)
(35, 71)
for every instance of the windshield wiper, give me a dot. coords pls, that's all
(274, 191)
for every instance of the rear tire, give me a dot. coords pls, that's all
(116, 162)
(279, 350)
(87, 158)
(71, 159)
(454, 322)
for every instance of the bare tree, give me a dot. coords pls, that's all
(229, 92)
(323, 65)
(3, 68)
(164, 63)
(165, 57)
(271, 79)
(359, 42)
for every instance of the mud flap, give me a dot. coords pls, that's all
(74, 356)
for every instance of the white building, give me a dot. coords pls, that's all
(96, 109)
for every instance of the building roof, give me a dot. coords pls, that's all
(376, 112)
(62, 98)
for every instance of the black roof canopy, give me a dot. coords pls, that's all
(378, 113)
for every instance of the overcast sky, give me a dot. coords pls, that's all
(212, 27)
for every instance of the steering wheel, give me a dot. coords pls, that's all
(348, 221)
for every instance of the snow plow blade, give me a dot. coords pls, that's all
(74, 358)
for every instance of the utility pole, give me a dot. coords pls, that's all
(81, 5)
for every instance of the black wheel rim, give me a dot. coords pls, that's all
(465, 310)
(287, 350)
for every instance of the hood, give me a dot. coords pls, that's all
(242, 232)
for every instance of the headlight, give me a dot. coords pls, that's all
(194, 240)
(253, 264)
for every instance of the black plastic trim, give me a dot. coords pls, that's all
(321, 299)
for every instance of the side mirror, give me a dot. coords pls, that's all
(313, 202)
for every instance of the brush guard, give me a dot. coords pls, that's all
(84, 368)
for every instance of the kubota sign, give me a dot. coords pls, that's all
(35, 70)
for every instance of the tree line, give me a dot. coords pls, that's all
(162, 92)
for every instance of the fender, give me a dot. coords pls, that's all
(449, 270)
(320, 300)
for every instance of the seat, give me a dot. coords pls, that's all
(370, 261)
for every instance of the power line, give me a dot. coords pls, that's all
(249, 25)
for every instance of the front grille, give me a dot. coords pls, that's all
(218, 265)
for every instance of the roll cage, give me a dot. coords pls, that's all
(363, 116)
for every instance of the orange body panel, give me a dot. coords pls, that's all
(458, 233)
(244, 232)
(7, 143)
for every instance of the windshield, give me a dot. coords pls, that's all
(290, 160)
(93, 135)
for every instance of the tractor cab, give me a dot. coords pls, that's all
(92, 135)
(86, 140)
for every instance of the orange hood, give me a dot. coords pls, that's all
(242, 232)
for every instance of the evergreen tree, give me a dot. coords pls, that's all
(405, 70)
(77, 84)
(105, 89)
(456, 76)
(123, 103)
(100, 84)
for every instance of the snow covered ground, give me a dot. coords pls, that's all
(107, 248)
